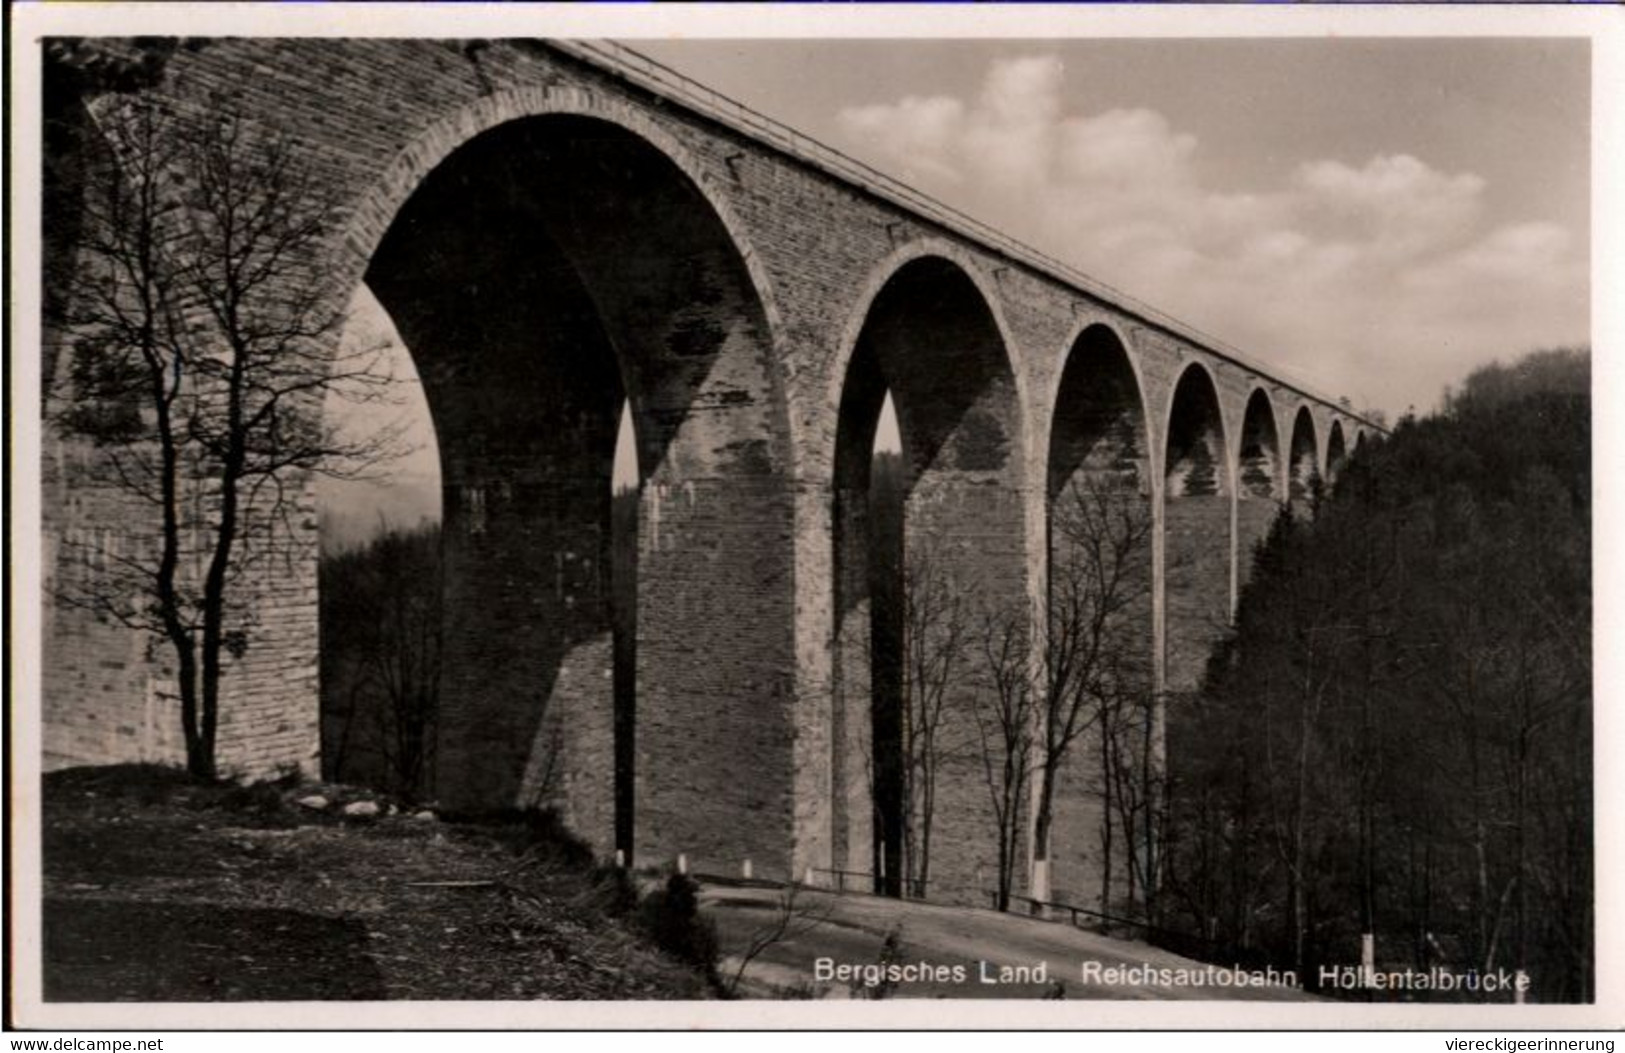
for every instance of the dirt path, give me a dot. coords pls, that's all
(1052, 960)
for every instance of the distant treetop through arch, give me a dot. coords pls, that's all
(888, 438)
(625, 474)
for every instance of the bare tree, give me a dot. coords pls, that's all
(1099, 576)
(1133, 809)
(203, 323)
(935, 627)
(1005, 721)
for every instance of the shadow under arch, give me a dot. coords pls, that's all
(882, 275)
(542, 273)
(948, 530)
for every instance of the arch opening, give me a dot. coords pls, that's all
(1336, 451)
(1259, 472)
(916, 539)
(590, 341)
(378, 574)
(1196, 529)
(1097, 645)
(1260, 455)
(1304, 470)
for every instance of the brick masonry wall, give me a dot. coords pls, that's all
(738, 746)
(110, 694)
(1196, 539)
(853, 688)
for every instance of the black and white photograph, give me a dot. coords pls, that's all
(1060, 518)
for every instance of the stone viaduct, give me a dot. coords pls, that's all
(557, 227)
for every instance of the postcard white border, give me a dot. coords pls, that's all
(1605, 27)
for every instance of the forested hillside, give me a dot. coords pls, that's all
(1397, 739)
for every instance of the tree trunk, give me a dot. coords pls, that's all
(1108, 802)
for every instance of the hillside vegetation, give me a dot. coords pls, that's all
(1397, 739)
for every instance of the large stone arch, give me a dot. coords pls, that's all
(1099, 505)
(381, 200)
(549, 252)
(1260, 470)
(1100, 332)
(948, 539)
(1197, 495)
(379, 203)
(879, 276)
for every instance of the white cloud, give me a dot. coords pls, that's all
(1398, 205)
(1008, 137)
(919, 133)
(1533, 252)
(1127, 149)
(1381, 279)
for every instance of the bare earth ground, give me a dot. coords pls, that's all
(159, 889)
(852, 929)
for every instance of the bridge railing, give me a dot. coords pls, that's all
(1178, 941)
(652, 75)
(864, 881)
(849, 881)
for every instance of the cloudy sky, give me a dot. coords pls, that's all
(1374, 216)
